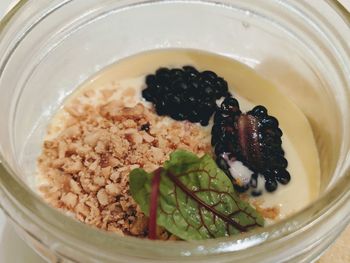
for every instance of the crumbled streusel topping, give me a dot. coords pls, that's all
(85, 168)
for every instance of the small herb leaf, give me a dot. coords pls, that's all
(196, 199)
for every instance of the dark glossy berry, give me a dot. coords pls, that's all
(204, 122)
(270, 185)
(259, 111)
(229, 106)
(186, 91)
(147, 94)
(254, 139)
(175, 72)
(222, 87)
(241, 188)
(283, 177)
(270, 122)
(151, 80)
(280, 161)
(191, 72)
(178, 116)
(162, 74)
(209, 75)
(161, 108)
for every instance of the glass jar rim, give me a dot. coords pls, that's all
(33, 207)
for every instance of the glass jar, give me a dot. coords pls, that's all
(48, 48)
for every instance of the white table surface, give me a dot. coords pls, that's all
(12, 248)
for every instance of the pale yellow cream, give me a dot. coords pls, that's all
(127, 77)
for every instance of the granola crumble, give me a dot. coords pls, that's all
(85, 167)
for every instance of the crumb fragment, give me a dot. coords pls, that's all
(69, 199)
(267, 212)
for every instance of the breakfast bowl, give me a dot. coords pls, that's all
(49, 48)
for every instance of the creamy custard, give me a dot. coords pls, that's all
(127, 79)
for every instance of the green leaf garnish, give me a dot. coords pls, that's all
(192, 198)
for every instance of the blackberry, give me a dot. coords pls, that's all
(186, 93)
(254, 138)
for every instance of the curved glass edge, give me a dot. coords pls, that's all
(343, 10)
(8, 16)
(5, 173)
(4, 21)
